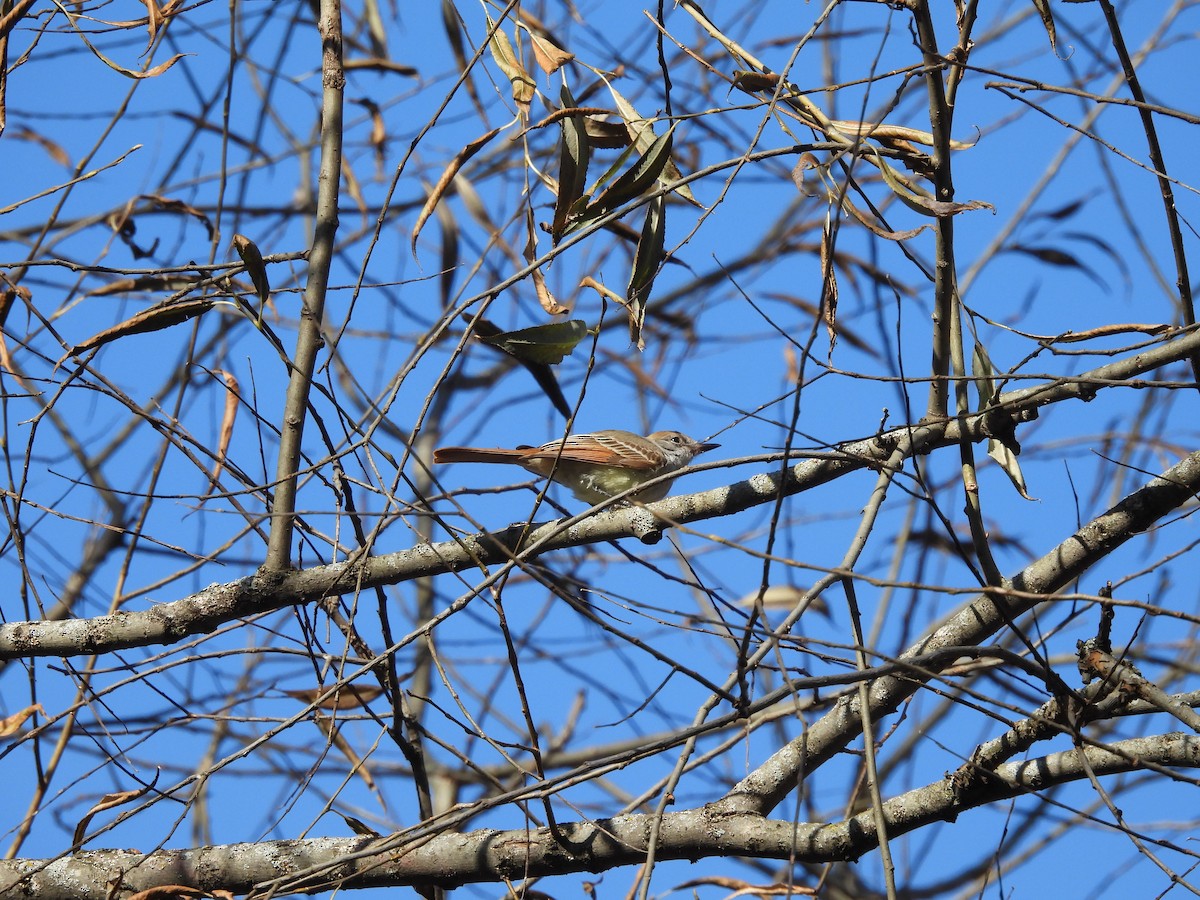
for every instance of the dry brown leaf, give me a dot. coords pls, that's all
(53, 150)
(549, 304)
(149, 283)
(523, 87)
(133, 73)
(589, 281)
(443, 183)
(882, 131)
(548, 55)
(10, 725)
(1107, 330)
(173, 205)
(917, 198)
(791, 363)
(154, 18)
(154, 319)
(232, 399)
(353, 188)
(108, 801)
(170, 892)
(829, 287)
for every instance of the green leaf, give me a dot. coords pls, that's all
(646, 262)
(635, 181)
(983, 372)
(545, 344)
(573, 159)
(642, 133)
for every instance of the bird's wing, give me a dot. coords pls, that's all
(603, 448)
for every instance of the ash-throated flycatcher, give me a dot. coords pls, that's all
(596, 466)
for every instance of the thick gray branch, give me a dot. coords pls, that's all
(451, 859)
(763, 789)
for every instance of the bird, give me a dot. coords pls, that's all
(596, 466)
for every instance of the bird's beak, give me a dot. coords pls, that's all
(704, 448)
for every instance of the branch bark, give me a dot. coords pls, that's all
(433, 855)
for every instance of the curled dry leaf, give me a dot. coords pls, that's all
(823, 184)
(108, 801)
(55, 151)
(133, 73)
(918, 199)
(1108, 330)
(154, 319)
(523, 87)
(232, 400)
(170, 892)
(1043, 9)
(549, 56)
(145, 283)
(882, 131)
(10, 725)
(172, 205)
(447, 178)
(545, 298)
(829, 287)
(1005, 454)
(589, 281)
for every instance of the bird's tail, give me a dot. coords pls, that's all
(479, 455)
